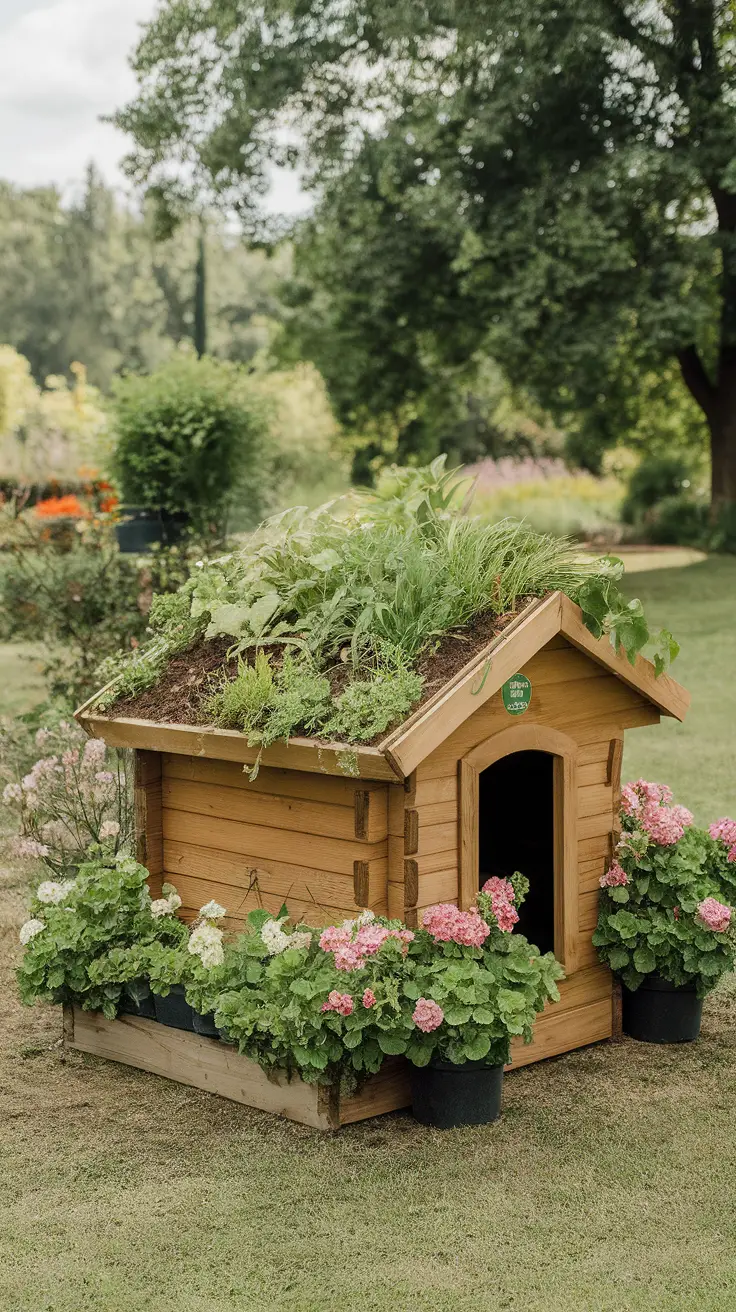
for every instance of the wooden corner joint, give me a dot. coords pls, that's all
(361, 883)
(411, 832)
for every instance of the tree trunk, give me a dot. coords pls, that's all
(722, 424)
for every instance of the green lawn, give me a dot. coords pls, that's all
(609, 1185)
(695, 758)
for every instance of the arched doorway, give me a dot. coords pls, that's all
(516, 832)
(518, 808)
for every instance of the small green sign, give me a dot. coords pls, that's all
(517, 694)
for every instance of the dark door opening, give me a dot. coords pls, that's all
(516, 832)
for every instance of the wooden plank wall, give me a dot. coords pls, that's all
(316, 842)
(570, 693)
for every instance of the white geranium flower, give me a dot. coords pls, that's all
(364, 918)
(205, 942)
(212, 911)
(30, 930)
(301, 939)
(52, 891)
(273, 936)
(165, 906)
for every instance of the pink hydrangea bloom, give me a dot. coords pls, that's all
(725, 830)
(615, 877)
(714, 915)
(339, 1002)
(427, 1015)
(369, 998)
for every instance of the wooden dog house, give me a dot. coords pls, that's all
(513, 765)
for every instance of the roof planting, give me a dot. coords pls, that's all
(336, 623)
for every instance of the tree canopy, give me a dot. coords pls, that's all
(550, 181)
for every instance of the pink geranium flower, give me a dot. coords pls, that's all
(447, 924)
(714, 915)
(649, 804)
(339, 1002)
(369, 998)
(725, 830)
(502, 896)
(427, 1015)
(615, 877)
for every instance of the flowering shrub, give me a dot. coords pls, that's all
(77, 926)
(80, 793)
(659, 911)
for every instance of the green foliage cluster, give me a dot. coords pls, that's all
(85, 600)
(191, 439)
(270, 998)
(88, 277)
(456, 214)
(651, 923)
(106, 909)
(373, 581)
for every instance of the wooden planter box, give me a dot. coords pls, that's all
(219, 1068)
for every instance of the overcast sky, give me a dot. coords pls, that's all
(63, 63)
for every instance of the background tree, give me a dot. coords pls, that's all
(563, 175)
(87, 279)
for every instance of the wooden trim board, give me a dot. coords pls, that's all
(229, 745)
(218, 1068)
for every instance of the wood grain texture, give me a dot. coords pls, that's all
(411, 882)
(361, 883)
(388, 1091)
(561, 1031)
(261, 843)
(147, 802)
(283, 813)
(203, 1063)
(298, 784)
(411, 832)
(565, 798)
(229, 745)
(284, 880)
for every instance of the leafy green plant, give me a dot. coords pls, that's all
(659, 911)
(373, 581)
(75, 923)
(191, 438)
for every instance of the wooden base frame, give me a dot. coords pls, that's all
(217, 1067)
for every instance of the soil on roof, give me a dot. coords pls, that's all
(180, 695)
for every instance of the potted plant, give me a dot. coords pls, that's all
(189, 438)
(661, 926)
(171, 971)
(474, 986)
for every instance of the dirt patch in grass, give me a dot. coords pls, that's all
(180, 695)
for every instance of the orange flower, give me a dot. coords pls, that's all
(55, 507)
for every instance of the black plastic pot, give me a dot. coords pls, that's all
(445, 1095)
(661, 1012)
(136, 999)
(174, 1010)
(224, 1037)
(141, 529)
(205, 1025)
